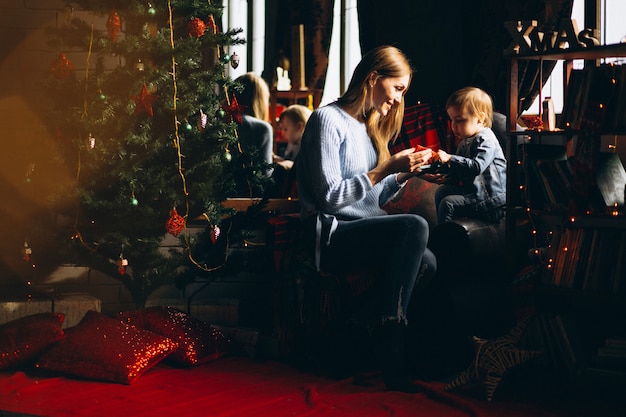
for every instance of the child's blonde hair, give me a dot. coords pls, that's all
(297, 113)
(474, 101)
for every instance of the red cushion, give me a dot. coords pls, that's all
(24, 339)
(198, 342)
(104, 348)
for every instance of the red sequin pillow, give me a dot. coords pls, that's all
(24, 339)
(198, 342)
(104, 348)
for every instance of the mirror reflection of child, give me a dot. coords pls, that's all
(475, 183)
(291, 123)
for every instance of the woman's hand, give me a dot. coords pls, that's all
(407, 163)
(410, 160)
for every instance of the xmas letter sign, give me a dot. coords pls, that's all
(528, 39)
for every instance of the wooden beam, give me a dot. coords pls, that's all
(298, 78)
(281, 205)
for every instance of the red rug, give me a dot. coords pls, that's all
(237, 386)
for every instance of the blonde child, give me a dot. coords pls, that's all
(291, 123)
(475, 182)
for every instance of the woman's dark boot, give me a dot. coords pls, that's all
(393, 364)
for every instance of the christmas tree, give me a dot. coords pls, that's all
(148, 122)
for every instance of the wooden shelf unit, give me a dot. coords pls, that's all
(568, 56)
(604, 311)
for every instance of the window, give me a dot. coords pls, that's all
(345, 56)
(236, 16)
(613, 30)
(350, 51)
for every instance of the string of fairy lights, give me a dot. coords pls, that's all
(545, 248)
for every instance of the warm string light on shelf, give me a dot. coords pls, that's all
(524, 190)
(542, 246)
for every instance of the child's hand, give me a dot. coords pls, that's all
(443, 156)
(436, 177)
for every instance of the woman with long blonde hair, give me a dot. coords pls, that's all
(346, 174)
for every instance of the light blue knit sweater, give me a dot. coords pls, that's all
(335, 156)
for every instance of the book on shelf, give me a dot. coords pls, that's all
(567, 257)
(571, 98)
(611, 178)
(558, 184)
(602, 260)
(565, 174)
(600, 254)
(599, 179)
(565, 334)
(592, 259)
(561, 249)
(586, 247)
(617, 352)
(606, 373)
(617, 112)
(611, 356)
(619, 275)
(615, 342)
(593, 99)
(558, 337)
(609, 362)
(589, 259)
(545, 184)
(536, 189)
(534, 339)
(609, 262)
(550, 183)
(553, 357)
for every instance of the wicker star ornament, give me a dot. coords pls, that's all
(493, 358)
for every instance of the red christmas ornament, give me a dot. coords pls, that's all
(196, 27)
(234, 110)
(62, 67)
(113, 25)
(214, 234)
(143, 101)
(175, 224)
(121, 263)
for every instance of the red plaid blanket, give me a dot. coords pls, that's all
(425, 125)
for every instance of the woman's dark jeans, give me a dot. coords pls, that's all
(397, 244)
